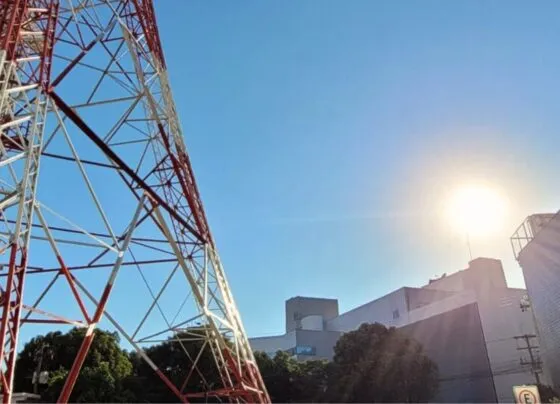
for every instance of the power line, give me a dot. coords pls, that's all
(534, 361)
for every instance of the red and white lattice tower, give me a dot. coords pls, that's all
(101, 221)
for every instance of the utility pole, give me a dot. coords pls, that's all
(37, 375)
(534, 361)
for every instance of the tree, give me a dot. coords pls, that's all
(548, 394)
(379, 364)
(172, 357)
(290, 381)
(313, 380)
(110, 374)
(103, 373)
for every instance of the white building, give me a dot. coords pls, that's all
(467, 322)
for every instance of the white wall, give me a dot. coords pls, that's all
(380, 311)
(273, 344)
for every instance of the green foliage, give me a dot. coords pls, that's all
(172, 356)
(290, 381)
(379, 364)
(372, 364)
(95, 384)
(102, 376)
(110, 374)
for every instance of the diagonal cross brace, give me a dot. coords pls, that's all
(79, 122)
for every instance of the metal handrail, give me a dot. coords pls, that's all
(525, 233)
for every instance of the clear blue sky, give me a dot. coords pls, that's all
(324, 135)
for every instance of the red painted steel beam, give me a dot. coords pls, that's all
(146, 15)
(70, 279)
(180, 164)
(15, 14)
(100, 309)
(188, 190)
(95, 266)
(144, 12)
(11, 26)
(45, 321)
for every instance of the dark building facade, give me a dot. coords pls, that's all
(455, 342)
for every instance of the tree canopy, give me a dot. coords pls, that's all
(175, 357)
(380, 364)
(110, 374)
(371, 364)
(290, 381)
(104, 369)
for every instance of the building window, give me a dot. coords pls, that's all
(395, 314)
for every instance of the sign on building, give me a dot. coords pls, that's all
(526, 395)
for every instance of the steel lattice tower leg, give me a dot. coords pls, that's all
(25, 60)
(112, 230)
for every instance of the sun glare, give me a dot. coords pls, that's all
(476, 210)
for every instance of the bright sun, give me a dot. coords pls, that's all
(476, 210)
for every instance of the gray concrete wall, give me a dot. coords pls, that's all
(420, 297)
(272, 344)
(482, 274)
(540, 261)
(455, 342)
(299, 307)
(502, 320)
(323, 343)
(485, 274)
